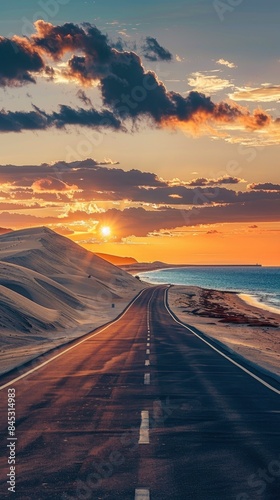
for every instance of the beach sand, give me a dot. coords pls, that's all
(250, 331)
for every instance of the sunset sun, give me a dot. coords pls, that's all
(106, 231)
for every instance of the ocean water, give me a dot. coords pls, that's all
(261, 284)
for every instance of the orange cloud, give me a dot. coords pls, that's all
(228, 115)
(265, 93)
(52, 185)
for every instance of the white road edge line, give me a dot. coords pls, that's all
(142, 494)
(69, 348)
(148, 312)
(217, 350)
(144, 437)
(147, 362)
(147, 379)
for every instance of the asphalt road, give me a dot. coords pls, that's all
(142, 410)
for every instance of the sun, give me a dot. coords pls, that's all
(105, 231)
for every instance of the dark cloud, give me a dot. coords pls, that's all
(126, 88)
(119, 44)
(50, 72)
(140, 222)
(267, 186)
(153, 51)
(87, 118)
(182, 195)
(97, 181)
(57, 40)
(84, 98)
(19, 60)
(17, 121)
(203, 181)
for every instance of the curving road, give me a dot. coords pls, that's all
(142, 409)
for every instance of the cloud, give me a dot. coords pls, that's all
(84, 98)
(224, 62)
(153, 51)
(164, 207)
(86, 207)
(128, 91)
(18, 121)
(94, 182)
(266, 93)
(19, 60)
(123, 33)
(57, 40)
(202, 181)
(182, 195)
(94, 179)
(266, 186)
(139, 222)
(52, 184)
(86, 118)
(108, 161)
(208, 83)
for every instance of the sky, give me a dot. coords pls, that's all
(146, 129)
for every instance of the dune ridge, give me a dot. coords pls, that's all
(52, 290)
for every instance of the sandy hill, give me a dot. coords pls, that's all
(51, 289)
(3, 230)
(140, 267)
(117, 260)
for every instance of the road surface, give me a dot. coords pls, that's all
(143, 409)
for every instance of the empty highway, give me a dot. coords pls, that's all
(142, 409)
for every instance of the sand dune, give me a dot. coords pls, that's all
(52, 290)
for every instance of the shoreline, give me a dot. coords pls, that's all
(253, 301)
(250, 331)
(249, 298)
(145, 267)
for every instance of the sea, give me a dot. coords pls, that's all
(259, 286)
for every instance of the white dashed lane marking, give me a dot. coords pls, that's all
(142, 494)
(147, 362)
(147, 378)
(148, 351)
(144, 437)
